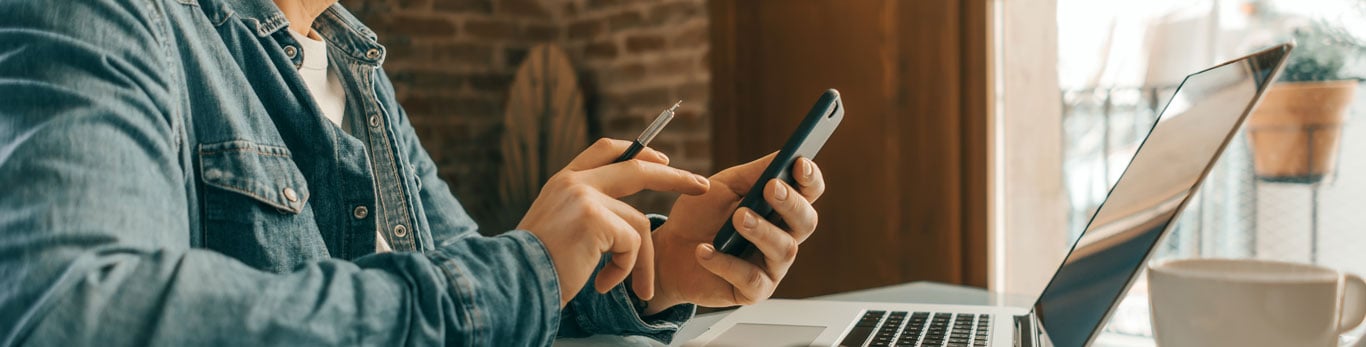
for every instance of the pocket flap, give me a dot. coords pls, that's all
(263, 172)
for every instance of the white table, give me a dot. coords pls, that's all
(915, 292)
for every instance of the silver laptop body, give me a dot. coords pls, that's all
(1191, 132)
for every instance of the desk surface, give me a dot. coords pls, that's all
(915, 292)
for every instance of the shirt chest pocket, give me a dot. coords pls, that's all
(255, 206)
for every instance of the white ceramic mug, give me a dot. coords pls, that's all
(1245, 302)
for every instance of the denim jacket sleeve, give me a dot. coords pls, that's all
(94, 234)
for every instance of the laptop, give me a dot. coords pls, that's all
(1197, 123)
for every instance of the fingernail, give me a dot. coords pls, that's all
(779, 192)
(700, 180)
(708, 251)
(808, 168)
(663, 156)
(749, 221)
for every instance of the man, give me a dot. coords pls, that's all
(196, 172)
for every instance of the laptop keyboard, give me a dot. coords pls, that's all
(901, 328)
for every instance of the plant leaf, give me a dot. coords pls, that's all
(544, 128)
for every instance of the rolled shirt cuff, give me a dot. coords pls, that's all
(614, 313)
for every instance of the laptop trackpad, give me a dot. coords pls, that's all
(748, 334)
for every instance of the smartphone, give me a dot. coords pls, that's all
(810, 136)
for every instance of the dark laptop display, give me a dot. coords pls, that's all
(1183, 144)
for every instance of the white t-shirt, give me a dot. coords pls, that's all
(326, 89)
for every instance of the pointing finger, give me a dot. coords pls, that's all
(632, 176)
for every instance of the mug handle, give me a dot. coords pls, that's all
(1353, 302)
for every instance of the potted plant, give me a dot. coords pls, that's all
(1295, 132)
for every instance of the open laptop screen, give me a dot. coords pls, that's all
(1168, 167)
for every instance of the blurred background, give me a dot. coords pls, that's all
(453, 62)
(747, 71)
(980, 134)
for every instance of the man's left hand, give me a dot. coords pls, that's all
(690, 270)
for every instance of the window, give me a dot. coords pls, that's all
(1117, 62)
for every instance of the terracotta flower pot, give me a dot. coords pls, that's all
(1296, 131)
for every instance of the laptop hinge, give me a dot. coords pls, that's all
(1025, 331)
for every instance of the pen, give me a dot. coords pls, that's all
(649, 133)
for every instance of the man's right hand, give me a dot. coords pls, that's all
(578, 217)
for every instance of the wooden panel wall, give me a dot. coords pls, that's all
(907, 169)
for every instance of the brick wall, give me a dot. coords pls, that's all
(636, 58)
(451, 62)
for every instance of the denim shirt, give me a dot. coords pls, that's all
(166, 179)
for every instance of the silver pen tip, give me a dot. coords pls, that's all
(658, 125)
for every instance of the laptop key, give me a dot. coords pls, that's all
(856, 336)
(865, 327)
(868, 321)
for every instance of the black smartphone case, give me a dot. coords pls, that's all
(805, 142)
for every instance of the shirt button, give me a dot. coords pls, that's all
(290, 194)
(360, 212)
(372, 53)
(290, 51)
(374, 120)
(400, 230)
